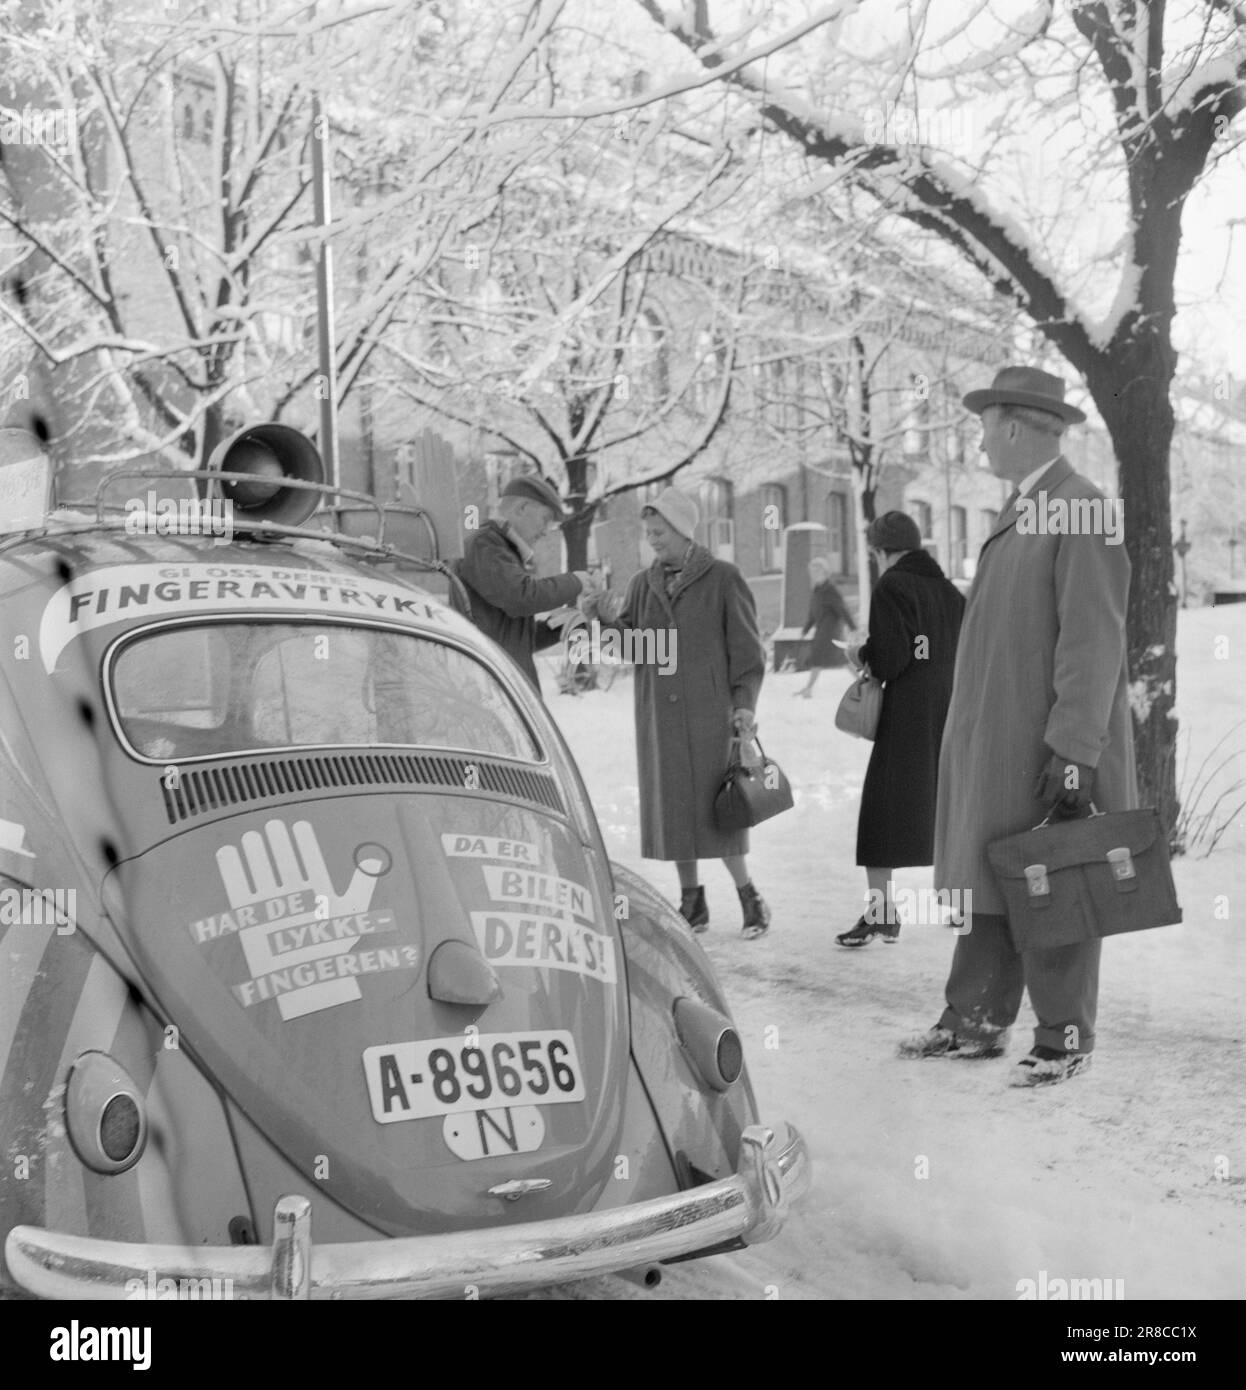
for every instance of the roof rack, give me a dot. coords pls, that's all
(376, 548)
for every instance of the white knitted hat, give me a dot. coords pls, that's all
(677, 509)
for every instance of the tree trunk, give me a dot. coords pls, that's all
(864, 506)
(575, 530)
(1130, 385)
(575, 535)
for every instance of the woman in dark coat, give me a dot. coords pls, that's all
(689, 706)
(915, 615)
(828, 618)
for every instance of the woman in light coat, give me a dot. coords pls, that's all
(689, 708)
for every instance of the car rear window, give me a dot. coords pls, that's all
(211, 689)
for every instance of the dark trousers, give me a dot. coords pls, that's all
(987, 979)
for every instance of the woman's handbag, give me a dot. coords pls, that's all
(860, 707)
(1078, 880)
(752, 793)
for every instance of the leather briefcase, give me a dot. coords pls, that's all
(750, 793)
(860, 707)
(1078, 880)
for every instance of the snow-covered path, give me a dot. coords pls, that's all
(933, 1179)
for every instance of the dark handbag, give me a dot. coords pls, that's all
(1078, 880)
(860, 707)
(750, 795)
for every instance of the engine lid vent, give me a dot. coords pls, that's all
(200, 791)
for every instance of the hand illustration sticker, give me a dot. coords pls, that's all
(284, 880)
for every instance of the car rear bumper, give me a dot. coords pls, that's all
(751, 1206)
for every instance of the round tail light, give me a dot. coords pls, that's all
(711, 1042)
(104, 1114)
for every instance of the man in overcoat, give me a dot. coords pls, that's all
(498, 570)
(1039, 723)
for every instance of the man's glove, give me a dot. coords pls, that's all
(604, 604)
(1064, 788)
(743, 722)
(560, 617)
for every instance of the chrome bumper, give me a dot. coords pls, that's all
(750, 1206)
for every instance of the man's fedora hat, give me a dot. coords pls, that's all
(1025, 386)
(536, 489)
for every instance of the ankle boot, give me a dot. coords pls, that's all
(693, 909)
(756, 913)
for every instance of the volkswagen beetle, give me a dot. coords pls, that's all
(315, 977)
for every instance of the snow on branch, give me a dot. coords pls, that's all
(1208, 81)
(910, 181)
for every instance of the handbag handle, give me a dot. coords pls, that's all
(1094, 811)
(737, 743)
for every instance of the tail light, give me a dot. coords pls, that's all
(711, 1042)
(105, 1114)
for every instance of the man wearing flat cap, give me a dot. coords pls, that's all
(1039, 725)
(498, 568)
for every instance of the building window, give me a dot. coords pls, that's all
(837, 529)
(958, 541)
(773, 520)
(920, 512)
(717, 518)
(989, 518)
(706, 384)
(649, 358)
(784, 392)
(917, 425)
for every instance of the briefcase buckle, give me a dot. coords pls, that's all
(1037, 882)
(1123, 871)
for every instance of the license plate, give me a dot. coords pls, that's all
(442, 1076)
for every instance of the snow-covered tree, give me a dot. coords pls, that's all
(1115, 107)
(159, 264)
(578, 331)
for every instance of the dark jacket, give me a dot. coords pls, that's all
(505, 595)
(683, 718)
(828, 616)
(915, 615)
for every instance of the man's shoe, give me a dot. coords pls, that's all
(1046, 1066)
(756, 913)
(865, 932)
(942, 1042)
(693, 910)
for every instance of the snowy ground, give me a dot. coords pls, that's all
(1134, 1171)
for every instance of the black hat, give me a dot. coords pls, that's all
(536, 489)
(894, 531)
(1025, 386)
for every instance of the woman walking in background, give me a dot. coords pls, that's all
(828, 619)
(688, 714)
(915, 615)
